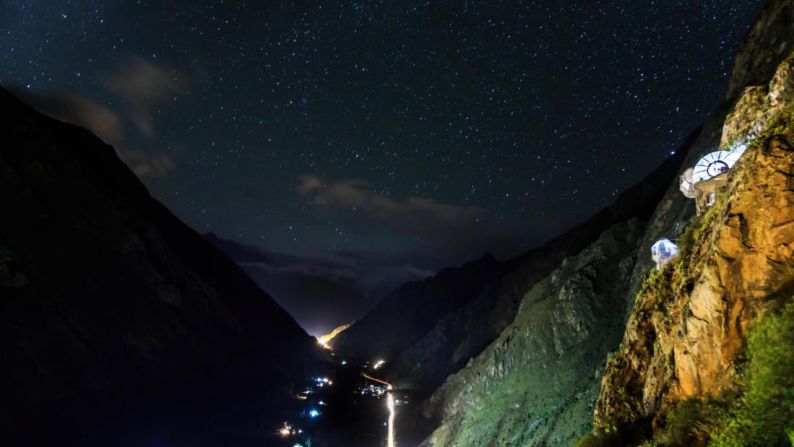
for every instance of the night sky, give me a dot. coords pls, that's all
(381, 126)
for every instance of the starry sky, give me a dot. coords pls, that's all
(399, 126)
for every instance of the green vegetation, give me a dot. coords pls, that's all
(764, 414)
(536, 384)
(629, 435)
(688, 423)
(598, 439)
(759, 412)
(681, 424)
(780, 124)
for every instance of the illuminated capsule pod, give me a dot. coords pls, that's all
(716, 163)
(710, 166)
(707, 177)
(736, 153)
(663, 252)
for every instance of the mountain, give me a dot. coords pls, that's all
(428, 329)
(406, 314)
(681, 370)
(707, 352)
(119, 325)
(467, 330)
(534, 384)
(320, 297)
(526, 353)
(325, 292)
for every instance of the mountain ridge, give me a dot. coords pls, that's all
(508, 411)
(115, 314)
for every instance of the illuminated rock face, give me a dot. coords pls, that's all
(530, 386)
(537, 382)
(688, 325)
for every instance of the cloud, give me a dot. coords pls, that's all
(459, 229)
(142, 85)
(102, 122)
(337, 275)
(78, 110)
(327, 289)
(147, 164)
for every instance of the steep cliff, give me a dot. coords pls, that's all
(119, 325)
(429, 329)
(536, 383)
(685, 340)
(465, 331)
(512, 400)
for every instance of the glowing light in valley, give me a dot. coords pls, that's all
(321, 382)
(286, 430)
(378, 364)
(325, 340)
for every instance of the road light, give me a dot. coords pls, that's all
(390, 405)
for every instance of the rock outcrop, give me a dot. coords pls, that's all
(465, 331)
(769, 41)
(536, 383)
(430, 329)
(524, 415)
(119, 325)
(686, 333)
(410, 311)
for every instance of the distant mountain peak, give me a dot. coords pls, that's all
(488, 257)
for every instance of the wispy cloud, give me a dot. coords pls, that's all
(458, 229)
(78, 110)
(147, 164)
(143, 85)
(140, 85)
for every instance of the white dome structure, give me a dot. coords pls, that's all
(710, 166)
(735, 154)
(717, 163)
(663, 251)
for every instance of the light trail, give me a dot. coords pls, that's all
(390, 437)
(382, 382)
(390, 405)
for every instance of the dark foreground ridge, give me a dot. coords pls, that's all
(119, 325)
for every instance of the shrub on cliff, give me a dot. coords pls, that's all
(764, 415)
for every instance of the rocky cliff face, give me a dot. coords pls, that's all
(119, 325)
(465, 331)
(406, 314)
(770, 39)
(686, 334)
(510, 401)
(460, 311)
(536, 383)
